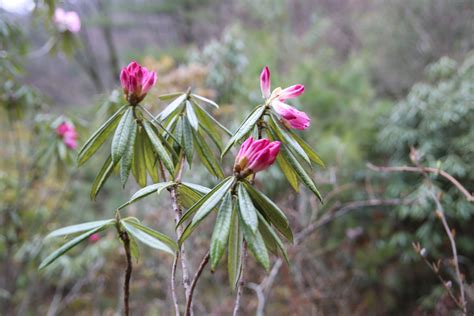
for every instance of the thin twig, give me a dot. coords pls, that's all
(436, 171)
(173, 284)
(128, 273)
(198, 273)
(243, 257)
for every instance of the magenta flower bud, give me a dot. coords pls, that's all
(94, 238)
(136, 81)
(291, 92)
(67, 20)
(265, 82)
(68, 133)
(290, 116)
(255, 156)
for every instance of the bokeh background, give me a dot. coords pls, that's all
(380, 76)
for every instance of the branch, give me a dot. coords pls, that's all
(128, 271)
(173, 284)
(243, 257)
(189, 299)
(420, 169)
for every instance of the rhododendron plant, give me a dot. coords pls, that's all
(68, 133)
(136, 81)
(157, 147)
(256, 155)
(290, 116)
(67, 20)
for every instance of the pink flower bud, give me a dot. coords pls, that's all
(255, 156)
(68, 133)
(136, 81)
(291, 92)
(94, 238)
(291, 117)
(265, 82)
(67, 21)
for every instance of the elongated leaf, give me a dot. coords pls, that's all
(257, 246)
(127, 158)
(188, 196)
(311, 153)
(207, 157)
(206, 100)
(220, 234)
(302, 174)
(204, 115)
(169, 96)
(98, 138)
(271, 211)
(246, 127)
(187, 140)
(150, 189)
(289, 173)
(122, 135)
(134, 250)
(210, 201)
(158, 147)
(209, 127)
(285, 137)
(150, 160)
(248, 213)
(269, 235)
(191, 115)
(73, 229)
(100, 179)
(233, 251)
(150, 237)
(171, 107)
(68, 246)
(139, 156)
(197, 187)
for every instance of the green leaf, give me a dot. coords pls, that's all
(134, 250)
(247, 126)
(169, 96)
(207, 157)
(150, 189)
(68, 246)
(73, 229)
(197, 187)
(248, 213)
(220, 234)
(171, 107)
(158, 147)
(127, 158)
(271, 211)
(139, 157)
(187, 140)
(150, 160)
(283, 136)
(270, 236)
(302, 174)
(100, 179)
(188, 196)
(204, 116)
(311, 153)
(206, 100)
(288, 172)
(150, 237)
(98, 138)
(234, 250)
(191, 115)
(204, 206)
(257, 246)
(122, 135)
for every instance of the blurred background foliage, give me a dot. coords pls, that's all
(379, 77)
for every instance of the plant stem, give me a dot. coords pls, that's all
(128, 272)
(173, 284)
(189, 299)
(243, 257)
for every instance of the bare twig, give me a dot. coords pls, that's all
(123, 235)
(436, 171)
(243, 257)
(189, 299)
(173, 284)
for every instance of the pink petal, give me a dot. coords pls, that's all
(291, 92)
(265, 82)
